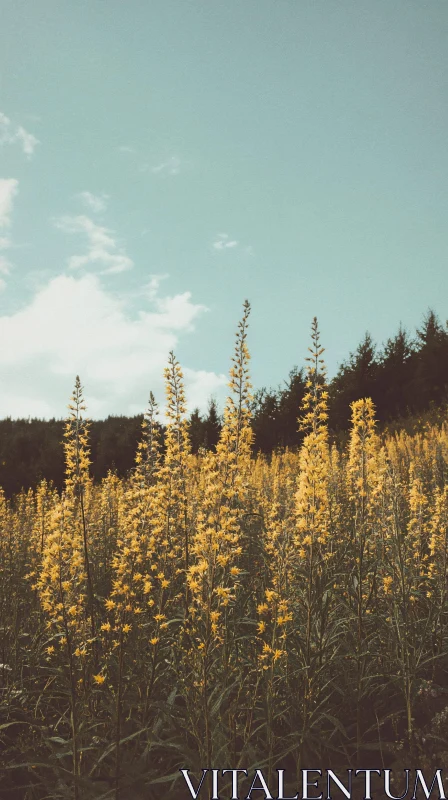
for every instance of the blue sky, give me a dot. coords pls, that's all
(161, 161)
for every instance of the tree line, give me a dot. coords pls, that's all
(406, 377)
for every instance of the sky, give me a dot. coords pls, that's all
(163, 160)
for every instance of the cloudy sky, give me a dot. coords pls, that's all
(161, 161)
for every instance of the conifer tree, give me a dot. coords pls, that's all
(431, 363)
(356, 379)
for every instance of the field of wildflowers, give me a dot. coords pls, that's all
(225, 608)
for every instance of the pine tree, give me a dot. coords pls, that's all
(355, 379)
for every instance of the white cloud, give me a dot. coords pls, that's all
(154, 284)
(102, 246)
(5, 266)
(169, 167)
(6, 130)
(16, 134)
(125, 148)
(224, 242)
(172, 165)
(27, 140)
(94, 202)
(75, 326)
(8, 190)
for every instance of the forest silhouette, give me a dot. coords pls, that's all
(406, 378)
